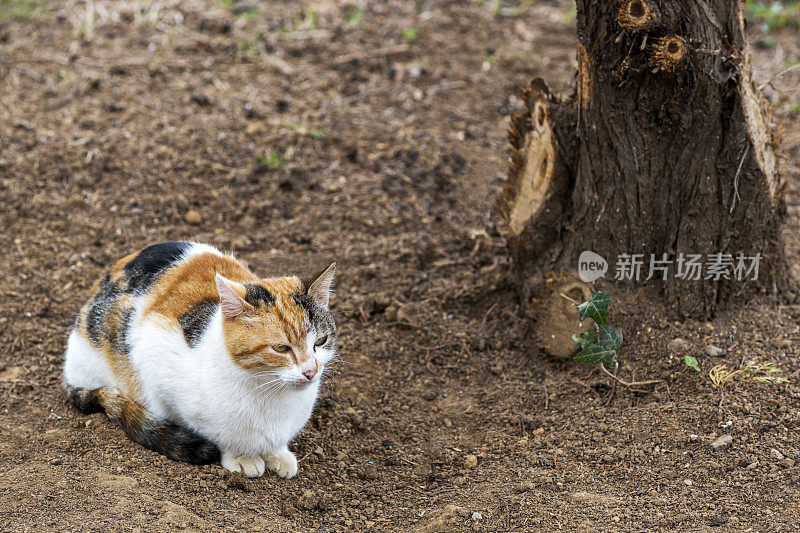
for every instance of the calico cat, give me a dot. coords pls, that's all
(199, 359)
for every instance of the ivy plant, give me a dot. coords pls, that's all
(601, 343)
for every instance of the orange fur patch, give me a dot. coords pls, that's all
(249, 338)
(117, 360)
(191, 282)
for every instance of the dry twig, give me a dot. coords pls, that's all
(632, 384)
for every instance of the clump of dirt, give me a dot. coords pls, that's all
(372, 134)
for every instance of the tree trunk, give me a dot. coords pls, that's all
(665, 147)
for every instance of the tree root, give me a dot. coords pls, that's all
(631, 385)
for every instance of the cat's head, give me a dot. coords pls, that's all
(280, 328)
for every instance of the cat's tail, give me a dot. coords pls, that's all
(143, 427)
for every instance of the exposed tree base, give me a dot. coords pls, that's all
(665, 147)
(556, 317)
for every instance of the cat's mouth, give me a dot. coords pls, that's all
(302, 384)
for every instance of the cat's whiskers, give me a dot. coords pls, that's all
(338, 359)
(268, 384)
(268, 390)
(266, 394)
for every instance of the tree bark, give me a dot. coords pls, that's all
(665, 147)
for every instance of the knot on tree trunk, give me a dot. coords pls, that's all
(637, 15)
(668, 52)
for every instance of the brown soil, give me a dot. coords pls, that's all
(389, 153)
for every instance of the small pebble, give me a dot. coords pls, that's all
(688, 482)
(308, 500)
(775, 454)
(193, 217)
(256, 128)
(714, 351)
(677, 346)
(722, 443)
(471, 462)
(369, 472)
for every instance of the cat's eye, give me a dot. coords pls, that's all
(322, 340)
(281, 348)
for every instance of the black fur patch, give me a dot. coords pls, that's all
(86, 400)
(307, 304)
(318, 317)
(121, 344)
(195, 321)
(144, 269)
(177, 443)
(101, 304)
(258, 295)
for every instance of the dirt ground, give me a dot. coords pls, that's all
(298, 133)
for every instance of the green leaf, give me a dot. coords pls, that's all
(691, 362)
(354, 16)
(596, 308)
(601, 352)
(586, 339)
(612, 334)
(410, 34)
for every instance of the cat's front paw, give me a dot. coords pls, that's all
(250, 466)
(283, 463)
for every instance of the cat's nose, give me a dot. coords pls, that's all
(309, 369)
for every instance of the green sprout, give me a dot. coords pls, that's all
(570, 14)
(691, 362)
(316, 133)
(21, 9)
(310, 20)
(250, 15)
(410, 34)
(272, 160)
(354, 16)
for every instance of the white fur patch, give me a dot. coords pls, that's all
(84, 365)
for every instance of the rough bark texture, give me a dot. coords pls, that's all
(665, 147)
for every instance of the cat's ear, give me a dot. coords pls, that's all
(231, 297)
(319, 287)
